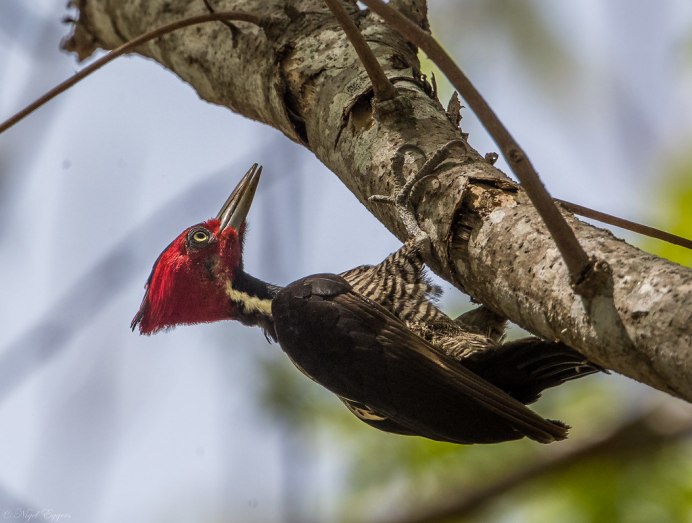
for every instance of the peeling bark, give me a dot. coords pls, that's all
(300, 75)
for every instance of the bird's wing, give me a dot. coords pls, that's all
(434, 368)
(359, 350)
(399, 283)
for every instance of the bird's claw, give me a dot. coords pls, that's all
(404, 188)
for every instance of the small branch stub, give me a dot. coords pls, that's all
(596, 280)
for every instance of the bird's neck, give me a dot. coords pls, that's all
(253, 298)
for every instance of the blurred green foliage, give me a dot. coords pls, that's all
(673, 201)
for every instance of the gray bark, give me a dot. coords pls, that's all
(300, 75)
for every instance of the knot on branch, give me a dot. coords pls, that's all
(595, 280)
(516, 155)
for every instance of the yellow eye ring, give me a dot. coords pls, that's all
(200, 236)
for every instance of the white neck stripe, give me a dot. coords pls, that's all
(249, 303)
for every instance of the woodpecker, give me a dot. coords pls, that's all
(371, 335)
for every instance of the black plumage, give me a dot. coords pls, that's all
(373, 337)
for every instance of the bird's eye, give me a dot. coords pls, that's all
(199, 237)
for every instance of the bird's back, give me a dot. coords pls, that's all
(400, 284)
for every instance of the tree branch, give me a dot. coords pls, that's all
(609, 219)
(486, 236)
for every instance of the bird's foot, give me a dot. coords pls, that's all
(404, 188)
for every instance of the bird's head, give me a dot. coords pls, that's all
(189, 281)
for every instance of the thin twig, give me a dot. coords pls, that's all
(646, 230)
(576, 259)
(381, 86)
(126, 47)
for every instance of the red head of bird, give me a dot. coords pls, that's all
(192, 277)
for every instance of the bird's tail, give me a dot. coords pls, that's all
(526, 367)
